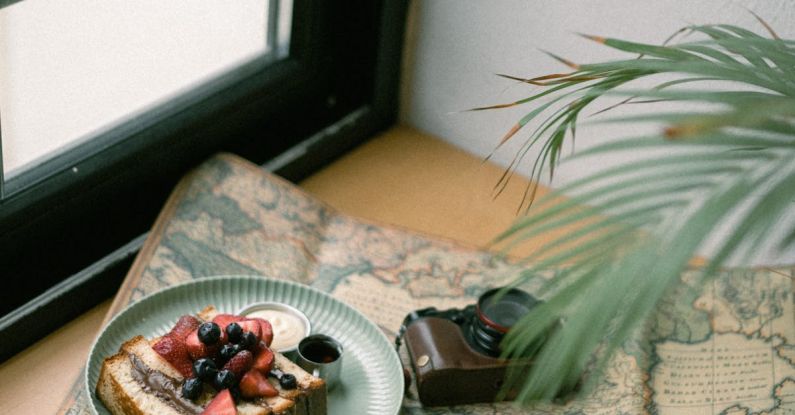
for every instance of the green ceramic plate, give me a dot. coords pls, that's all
(372, 379)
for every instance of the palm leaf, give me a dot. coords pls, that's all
(624, 234)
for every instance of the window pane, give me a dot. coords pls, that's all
(71, 68)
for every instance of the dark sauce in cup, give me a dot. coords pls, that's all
(320, 352)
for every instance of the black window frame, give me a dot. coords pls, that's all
(71, 226)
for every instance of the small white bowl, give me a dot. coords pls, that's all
(291, 349)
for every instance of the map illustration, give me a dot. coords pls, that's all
(727, 348)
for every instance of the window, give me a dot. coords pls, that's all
(73, 217)
(70, 69)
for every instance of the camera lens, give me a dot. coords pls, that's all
(496, 312)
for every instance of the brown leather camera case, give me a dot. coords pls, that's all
(447, 370)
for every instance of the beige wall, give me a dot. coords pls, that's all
(454, 49)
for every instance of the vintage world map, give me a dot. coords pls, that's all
(728, 348)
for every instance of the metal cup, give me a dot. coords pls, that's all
(321, 356)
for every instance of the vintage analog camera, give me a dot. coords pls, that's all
(455, 353)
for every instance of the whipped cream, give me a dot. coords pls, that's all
(288, 329)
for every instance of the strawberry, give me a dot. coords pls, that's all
(197, 349)
(175, 352)
(184, 326)
(259, 348)
(264, 360)
(266, 329)
(252, 326)
(223, 340)
(223, 320)
(254, 385)
(240, 363)
(222, 404)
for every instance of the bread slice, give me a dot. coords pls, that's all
(120, 387)
(137, 380)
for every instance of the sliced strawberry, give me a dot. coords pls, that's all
(254, 385)
(266, 329)
(222, 404)
(264, 360)
(224, 339)
(197, 349)
(259, 348)
(252, 326)
(223, 320)
(240, 363)
(184, 326)
(175, 352)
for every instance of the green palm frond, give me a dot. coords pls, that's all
(642, 221)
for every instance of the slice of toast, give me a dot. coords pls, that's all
(137, 380)
(122, 391)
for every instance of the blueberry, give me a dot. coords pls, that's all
(234, 332)
(192, 388)
(204, 369)
(248, 341)
(225, 379)
(209, 333)
(288, 381)
(229, 350)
